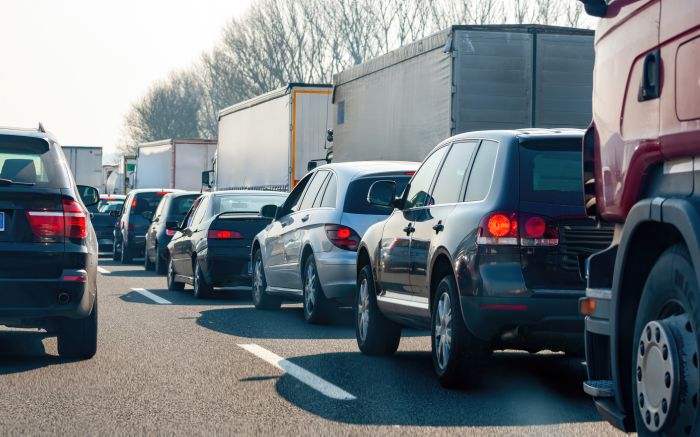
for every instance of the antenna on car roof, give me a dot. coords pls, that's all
(41, 128)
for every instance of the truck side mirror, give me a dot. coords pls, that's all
(595, 8)
(206, 178)
(269, 211)
(311, 165)
(382, 193)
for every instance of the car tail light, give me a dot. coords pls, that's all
(512, 228)
(343, 237)
(170, 232)
(52, 226)
(214, 234)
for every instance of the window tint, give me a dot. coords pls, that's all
(482, 171)
(420, 184)
(192, 212)
(551, 172)
(145, 202)
(331, 191)
(356, 196)
(202, 211)
(161, 205)
(448, 185)
(245, 202)
(180, 205)
(31, 161)
(314, 187)
(292, 202)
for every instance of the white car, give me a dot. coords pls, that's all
(308, 251)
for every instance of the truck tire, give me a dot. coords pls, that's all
(458, 356)
(202, 289)
(375, 334)
(173, 285)
(77, 339)
(261, 299)
(317, 308)
(665, 375)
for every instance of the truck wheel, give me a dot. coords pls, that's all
(375, 334)
(261, 299)
(148, 265)
(161, 264)
(173, 285)
(77, 339)
(317, 308)
(458, 356)
(665, 375)
(127, 256)
(202, 289)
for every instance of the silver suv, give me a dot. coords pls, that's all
(308, 251)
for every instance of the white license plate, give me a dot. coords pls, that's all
(2, 221)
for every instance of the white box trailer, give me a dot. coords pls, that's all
(86, 164)
(465, 78)
(174, 163)
(267, 142)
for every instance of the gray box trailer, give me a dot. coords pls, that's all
(86, 164)
(173, 163)
(400, 105)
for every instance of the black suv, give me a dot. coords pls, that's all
(48, 248)
(172, 208)
(134, 220)
(486, 246)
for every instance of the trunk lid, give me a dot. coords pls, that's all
(247, 225)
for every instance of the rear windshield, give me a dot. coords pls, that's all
(356, 197)
(180, 205)
(551, 172)
(245, 202)
(31, 161)
(145, 202)
(110, 205)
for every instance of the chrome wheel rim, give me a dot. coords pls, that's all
(196, 279)
(171, 272)
(443, 330)
(257, 279)
(310, 289)
(363, 310)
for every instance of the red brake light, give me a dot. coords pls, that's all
(162, 193)
(535, 227)
(499, 228)
(538, 230)
(214, 234)
(410, 173)
(512, 228)
(170, 232)
(76, 226)
(499, 225)
(52, 226)
(343, 237)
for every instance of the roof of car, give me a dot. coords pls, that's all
(22, 132)
(519, 133)
(154, 190)
(364, 168)
(259, 192)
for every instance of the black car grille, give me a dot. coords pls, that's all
(579, 239)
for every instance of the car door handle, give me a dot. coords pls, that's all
(305, 218)
(409, 229)
(439, 228)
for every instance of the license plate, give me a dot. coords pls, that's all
(2, 221)
(250, 267)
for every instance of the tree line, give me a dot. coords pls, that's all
(281, 41)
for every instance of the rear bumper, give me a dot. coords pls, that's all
(28, 302)
(337, 273)
(223, 269)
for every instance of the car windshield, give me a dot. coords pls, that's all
(30, 161)
(551, 172)
(356, 197)
(246, 202)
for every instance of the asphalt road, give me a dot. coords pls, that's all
(179, 368)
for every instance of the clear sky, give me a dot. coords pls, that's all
(77, 65)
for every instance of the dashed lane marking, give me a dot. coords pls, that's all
(315, 382)
(154, 297)
(103, 270)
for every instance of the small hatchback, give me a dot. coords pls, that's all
(308, 251)
(172, 208)
(486, 247)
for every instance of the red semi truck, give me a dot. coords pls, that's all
(642, 164)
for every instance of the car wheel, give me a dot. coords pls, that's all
(317, 308)
(664, 376)
(77, 339)
(147, 263)
(375, 334)
(173, 285)
(126, 255)
(202, 289)
(458, 356)
(115, 253)
(161, 264)
(261, 299)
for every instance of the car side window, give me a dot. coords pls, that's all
(419, 189)
(482, 172)
(193, 211)
(159, 210)
(330, 193)
(292, 203)
(201, 211)
(312, 191)
(450, 180)
(126, 204)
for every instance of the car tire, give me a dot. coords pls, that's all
(261, 299)
(317, 308)
(665, 348)
(116, 256)
(375, 334)
(161, 263)
(458, 356)
(148, 265)
(77, 339)
(202, 289)
(173, 285)
(126, 256)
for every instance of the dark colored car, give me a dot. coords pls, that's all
(172, 208)
(486, 247)
(104, 218)
(48, 248)
(134, 221)
(211, 248)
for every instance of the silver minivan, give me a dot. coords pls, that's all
(308, 251)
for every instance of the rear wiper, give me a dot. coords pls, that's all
(11, 182)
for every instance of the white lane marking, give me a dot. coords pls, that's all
(317, 383)
(154, 297)
(103, 270)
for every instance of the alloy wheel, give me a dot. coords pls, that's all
(443, 330)
(363, 310)
(310, 289)
(257, 279)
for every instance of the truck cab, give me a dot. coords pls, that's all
(641, 167)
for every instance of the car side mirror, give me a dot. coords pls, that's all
(595, 8)
(172, 226)
(269, 211)
(89, 195)
(382, 193)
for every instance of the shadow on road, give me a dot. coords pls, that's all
(21, 351)
(185, 297)
(517, 390)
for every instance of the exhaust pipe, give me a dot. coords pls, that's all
(63, 298)
(511, 335)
